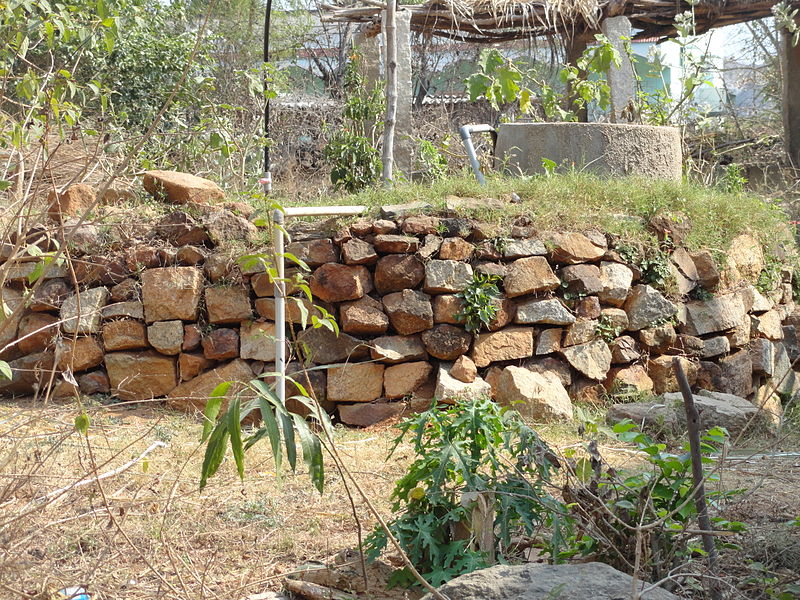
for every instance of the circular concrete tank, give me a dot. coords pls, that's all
(601, 148)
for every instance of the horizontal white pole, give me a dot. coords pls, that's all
(311, 211)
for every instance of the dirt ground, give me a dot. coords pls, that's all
(150, 532)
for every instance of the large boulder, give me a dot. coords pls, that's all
(717, 314)
(507, 344)
(195, 393)
(593, 359)
(409, 311)
(538, 396)
(356, 382)
(333, 282)
(181, 188)
(645, 306)
(81, 313)
(537, 581)
(172, 293)
(449, 389)
(141, 375)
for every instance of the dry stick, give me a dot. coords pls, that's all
(693, 426)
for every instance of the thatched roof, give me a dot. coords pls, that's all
(490, 21)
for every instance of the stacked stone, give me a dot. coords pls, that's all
(173, 319)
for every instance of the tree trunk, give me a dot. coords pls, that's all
(390, 30)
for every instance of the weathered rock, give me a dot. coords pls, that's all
(670, 226)
(50, 295)
(491, 269)
(653, 417)
(551, 364)
(745, 258)
(430, 246)
(317, 252)
(297, 310)
(488, 250)
(767, 325)
(192, 336)
(492, 377)
(181, 229)
(221, 344)
(81, 313)
(181, 188)
(456, 226)
(420, 225)
(395, 211)
(82, 354)
(403, 379)
(228, 304)
(688, 345)
(715, 409)
(395, 244)
(76, 199)
(190, 256)
(632, 378)
(125, 334)
(646, 306)
(358, 252)
(36, 332)
(96, 382)
(589, 308)
(523, 248)
(450, 390)
(171, 293)
(193, 394)
(683, 270)
(28, 373)
(409, 311)
(368, 413)
(141, 257)
(580, 332)
(506, 311)
(754, 301)
(624, 350)
(587, 391)
(22, 271)
(333, 282)
(446, 276)
(736, 374)
(593, 359)
(166, 336)
(662, 373)
(762, 356)
(658, 340)
(545, 312)
(321, 346)
(132, 309)
(464, 369)
(528, 276)
(739, 336)
(506, 344)
(356, 382)
(398, 348)
(549, 341)
(706, 267)
(257, 341)
(140, 375)
(446, 307)
(126, 290)
(455, 248)
(581, 279)
(191, 364)
(537, 396)
(715, 346)
(537, 581)
(615, 318)
(785, 378)
(397, 272)
(363, 317)
(446, 342)
(219, 266)
(573, 248)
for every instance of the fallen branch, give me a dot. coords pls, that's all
(314, 591)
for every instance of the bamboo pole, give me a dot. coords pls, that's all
(390, 28)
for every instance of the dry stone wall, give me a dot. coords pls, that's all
(170, 317)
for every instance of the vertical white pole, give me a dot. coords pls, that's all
(280, 308)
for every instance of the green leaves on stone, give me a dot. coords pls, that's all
(481, 301)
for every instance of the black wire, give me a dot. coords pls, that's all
(266, 77)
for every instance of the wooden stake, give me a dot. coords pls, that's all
(390, 28)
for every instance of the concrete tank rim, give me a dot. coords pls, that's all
(599, 126)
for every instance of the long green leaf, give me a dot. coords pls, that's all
(288, 437)
(235, 430)
(215, 452)
(312, 452)
(271, 426)
(213, 405)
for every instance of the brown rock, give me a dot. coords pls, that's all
(189, 256)
(549, 341)
(315, 253)
(706, 267)
(181, 229)
(672, 226)
(28, 373)
(263, 285)
(646, 305)
(589, 308)
(190, 365)
(551, 364)
(222, 227)
(166, 336)
(492, 377)
(257, 341)
(398, 348)
(455, 248)
(192, 337)
(125, 334)
(506, 311)
(624, 350)
(593, 359)
(735, 375)
(446, 276)
(141, 257)
(76, 199)
(221, 344)
(395, 244)
(363, 317)
(739, 336)
(409, 311)
(446, 307)
(140, 375)
(95, 382)
(132, 309)
(171, 293)
(126, 290)
(580, 332)
(80, 355)
(587, 391)
(430, 246)
(296, 310)
(358, 252)
(446, 342)
(581, 279)
(403, 379)
(321, 346)
(663, 375)
(767, 325)
(361, 228)
(626, 379)
(368, 413)
(464, 369)
(195, 393)
(690, 345)
(50, 295)
(573, 248)
(538, 396)
(745, 258)
(506, 344)
(684, 270)
(658, 340)
(528, 276)
(384, 226)
(338, 283)
(218, 266)
(615, 318)
(397, 272)
(181, 188)
(356, 382)
(80, 313)
(36, 332)
(228, 304)
(420, 225)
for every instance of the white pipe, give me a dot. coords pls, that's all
(280, 284)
